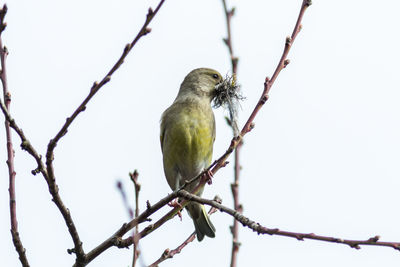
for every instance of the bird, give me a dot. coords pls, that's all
(187, 135)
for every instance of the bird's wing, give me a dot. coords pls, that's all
(162, 130)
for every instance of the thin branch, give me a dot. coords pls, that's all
(128, 208)
(134, 178)
(136, 252)
(10, 150)
(168, 254)
(25, 143)
(98, 85)
(235, 185)
(116, 238)
(256, 227)
(228, 41)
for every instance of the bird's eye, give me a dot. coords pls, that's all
(215, 76)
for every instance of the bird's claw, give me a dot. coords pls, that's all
(175, 204)
(208, 176)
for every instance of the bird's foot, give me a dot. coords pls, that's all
(207, 176)
(175, 204)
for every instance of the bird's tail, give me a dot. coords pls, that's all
(201, 221)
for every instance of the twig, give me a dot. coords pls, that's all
(10, 150)
(98, 85)
(136, 252)
(116, 238)
(256, 227)
(235, 185)
(134, 178)
(168, 254)
(128, 208)
(228, 41)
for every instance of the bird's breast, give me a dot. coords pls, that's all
(188, 139)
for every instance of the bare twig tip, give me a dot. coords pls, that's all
(232, 12)
(4, 9)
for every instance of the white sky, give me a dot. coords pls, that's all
(323, 157)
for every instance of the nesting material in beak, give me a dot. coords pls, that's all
(228, 96)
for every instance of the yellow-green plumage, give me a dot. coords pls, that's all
(187, 138)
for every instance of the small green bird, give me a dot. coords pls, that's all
(187, 138)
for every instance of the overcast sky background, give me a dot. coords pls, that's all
(323, 157)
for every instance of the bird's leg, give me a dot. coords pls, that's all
(207, 177)
(174, 204)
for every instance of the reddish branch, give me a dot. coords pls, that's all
(128, 208)
(235, 185)
(10, 150)
(228, 40)
(256, 227)
(134, 178)
(168, 254)
(97, 85)
(136, 252)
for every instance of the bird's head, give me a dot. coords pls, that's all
(200, 83)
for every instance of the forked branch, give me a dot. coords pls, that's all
(10, 150)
